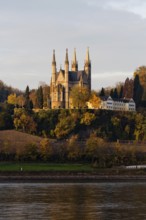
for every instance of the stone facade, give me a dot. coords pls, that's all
(63, 81)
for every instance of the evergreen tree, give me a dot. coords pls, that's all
(115, 94)
(102, 92)
(137, 91)
(121, 92)
(111, 93)
(28, 103)
(40, 97)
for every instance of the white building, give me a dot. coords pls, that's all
(118, 104)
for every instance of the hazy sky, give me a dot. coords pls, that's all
(114, 30)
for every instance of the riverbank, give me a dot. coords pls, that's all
(40, 172)
(69, 177)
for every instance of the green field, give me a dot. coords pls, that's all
(44, 167)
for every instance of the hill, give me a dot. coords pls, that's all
(14, 140)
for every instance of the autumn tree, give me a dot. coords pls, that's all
(30, 152)
(12, 99)
(65, 125)
(140, 127)
(95, 100)
(128, 88)
(74, 151)
(33, 98)
(87, 118)
(95, 150)
(20, 101)
(45, 149)
(79, 96)
(24, 121)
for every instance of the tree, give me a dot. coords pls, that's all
(115, 94)
(40, 97)
(112, 93)
(46, 149)
(33, 98)
(30, 152)
(20, 101)
(140, 127)
(88, 118)
(141, 72)
(64, 127)
(46, 95)
(79, 96)
(128, 88)
(6, 121)
(137, 91)
(28, 105)
(95, 101)
(121, 92)
(95, 150)
(102, 92)
(12, 99)
(73, 148)
(23, 121)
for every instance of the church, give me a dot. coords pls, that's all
(64, 80)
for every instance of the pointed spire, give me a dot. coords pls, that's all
(74, 62)
(87, 55)
(66, 57)
(53, 60)
(74, 57)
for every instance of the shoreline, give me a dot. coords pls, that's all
(68, 177)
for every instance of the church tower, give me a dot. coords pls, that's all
(74, 67)
(66, 80)
(87, 67)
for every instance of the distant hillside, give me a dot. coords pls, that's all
(14, 140)
(7, 90)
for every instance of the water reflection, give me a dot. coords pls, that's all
(100, 201)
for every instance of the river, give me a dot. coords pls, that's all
(73, 201)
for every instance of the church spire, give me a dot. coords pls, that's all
(87, 56)
(66, 57)
(54, 60)
(53, 68)
(87, 67)
(74, 62)
(74, 58)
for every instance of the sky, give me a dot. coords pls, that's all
(114, 31)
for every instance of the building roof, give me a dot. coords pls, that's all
(77, 76)
(125, 100)
(74, 76)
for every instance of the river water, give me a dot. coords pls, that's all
(73, 201)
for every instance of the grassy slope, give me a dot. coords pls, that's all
(13, 140)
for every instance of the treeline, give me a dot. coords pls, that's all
(61, 123)
(5, 91)
(94, 150)
(31, 99)
(132, 88)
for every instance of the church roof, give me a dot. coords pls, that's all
(73, 76)
(76, 76)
